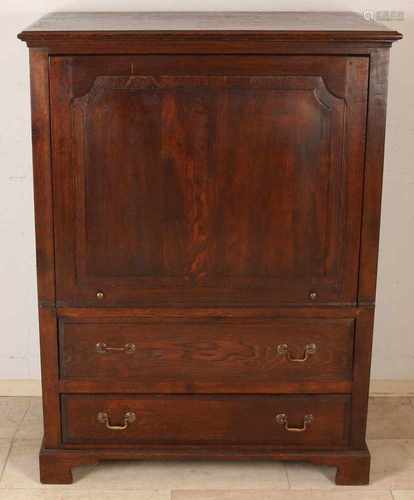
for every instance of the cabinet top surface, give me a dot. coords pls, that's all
(300, 26)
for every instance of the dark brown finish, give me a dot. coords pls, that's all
(50, 376)
(45, 260)
(216, 387)
(56, 467)
(207, 420)
(211, 318)
(362, 368)
(352, 465)
(231, 355)
(207, 32)
(353, 470)
(167, 314)
(129, 23)
(86, 27)
(373, 176)
(185, 229)
(207, 196)
(42, 176)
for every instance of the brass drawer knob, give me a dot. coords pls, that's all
(283, 350)
(102, 348)
(282, 419)
(100, 295)
(103, 418)
(313, 295)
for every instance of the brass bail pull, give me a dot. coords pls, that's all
(103, 418)
(283, 350)
(102, 348)
(282, 419)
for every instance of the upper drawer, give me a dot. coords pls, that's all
(232, 182)
(227, 356)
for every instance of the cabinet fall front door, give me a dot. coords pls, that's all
(208, 180)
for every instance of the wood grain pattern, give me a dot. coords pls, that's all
(198, 355)
(77, 29)
(210, 419)
(201, 315)
(42, 176)
(362, 368)
(140, 386)
(199, 230)
(373, 176)
(50, 376)
(100, 22)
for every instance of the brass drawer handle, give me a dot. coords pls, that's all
(103, 418)
(282, 419)
(283, 350)
(102, 348)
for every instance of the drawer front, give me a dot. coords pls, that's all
(305, 421)
(226, 355)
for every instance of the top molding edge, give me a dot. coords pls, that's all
(66, 41)
(71, 28)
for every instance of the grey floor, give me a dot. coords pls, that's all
(390, 438)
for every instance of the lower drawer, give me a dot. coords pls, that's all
(305, 421)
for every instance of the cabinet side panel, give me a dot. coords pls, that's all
(49, 357)
(43, 200)
(362, 369)
(42, 175)
(377, 102)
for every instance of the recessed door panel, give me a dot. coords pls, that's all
(208, 184)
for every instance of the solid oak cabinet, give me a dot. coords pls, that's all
(207, 195)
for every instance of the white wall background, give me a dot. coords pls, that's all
(394, 327)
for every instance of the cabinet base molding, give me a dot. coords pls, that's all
(56, 465)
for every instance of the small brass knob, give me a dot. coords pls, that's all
(313, 295)
(99, 295)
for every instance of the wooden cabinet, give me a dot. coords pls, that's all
(207, 194)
